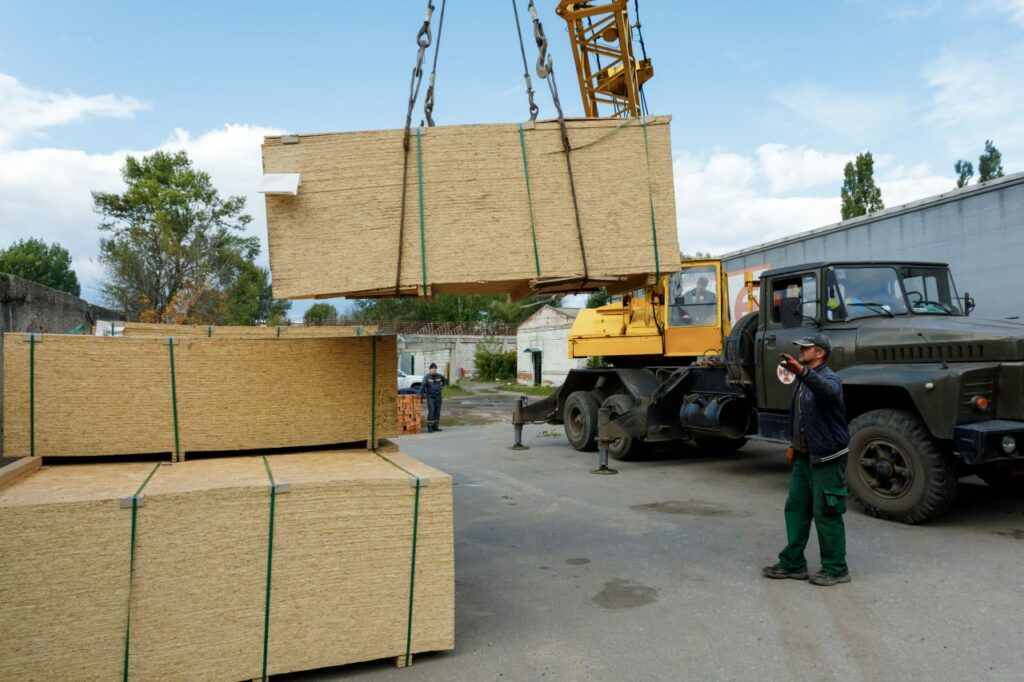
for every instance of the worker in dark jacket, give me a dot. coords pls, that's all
(817, 486)
(432, 385)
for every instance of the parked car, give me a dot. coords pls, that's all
(407, 382)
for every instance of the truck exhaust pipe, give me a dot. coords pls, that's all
(724, 416)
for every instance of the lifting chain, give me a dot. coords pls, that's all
(534, 109)
(428, 102)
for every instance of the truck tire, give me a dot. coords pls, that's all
(897, 471)
(580, 419)
(626, 448)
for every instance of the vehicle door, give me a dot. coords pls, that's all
(793, 313)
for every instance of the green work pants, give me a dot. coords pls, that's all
(816, 493)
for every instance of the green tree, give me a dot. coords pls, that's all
(860, 194)
(249, 300)
(990, 164)
(698, 255)
(321, 315)
(49, 265)
(174, 245)
(446, 308)
(964, 171)
(598, 298)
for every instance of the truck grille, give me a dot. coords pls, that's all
(979, 383)
(930, 352)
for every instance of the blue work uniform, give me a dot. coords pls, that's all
(431, 387)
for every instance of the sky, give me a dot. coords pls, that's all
(769, 100)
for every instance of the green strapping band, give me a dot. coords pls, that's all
(423, 229)
(270, 557)
(209, 331)
(174, 401)
(529, 199)
(412, 563)
(373, 393)
(650, 200)
(32, 395)
(279, 331)
(131, 572)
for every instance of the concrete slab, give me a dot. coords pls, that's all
(655, 574)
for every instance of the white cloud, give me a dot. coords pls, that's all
(45, 192)
(729, 201)
(913, 12)
(857, 116)
(25, 112)
(1014, 8)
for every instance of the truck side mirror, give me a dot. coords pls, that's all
(969, 304)
(792, 313)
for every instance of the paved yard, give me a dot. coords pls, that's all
(655, 574)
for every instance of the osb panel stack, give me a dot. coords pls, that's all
(79, 396)
(149, 329)
(409, 414)
(339, 564)
(483, 209)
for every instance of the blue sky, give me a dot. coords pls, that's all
(769, 99)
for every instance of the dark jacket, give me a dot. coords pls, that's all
(432, 384)
(823, 416)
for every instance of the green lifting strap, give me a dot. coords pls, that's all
(32, 395)
(650, 200)
(279, 331)
(373, 393)
(209, 331)
(412, 562)
(423, 229)
(174, 401)
(131, 572)
(270, 563)
(529, 199)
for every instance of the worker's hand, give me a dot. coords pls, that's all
(790, 455)
(790, 363)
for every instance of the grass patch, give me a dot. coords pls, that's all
(454, 390)
(529, 390)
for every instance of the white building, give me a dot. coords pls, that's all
(454, 354)
(543, 344)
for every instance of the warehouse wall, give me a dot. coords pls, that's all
(30, 307)
(546, 330)
(453, 352)
(978, 230)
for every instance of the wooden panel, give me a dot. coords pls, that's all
(148, 329)
(340, 234)
(340, 575)
(113, 396)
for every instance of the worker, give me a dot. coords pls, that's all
(700, 293)
(432, 386)
(817, 488)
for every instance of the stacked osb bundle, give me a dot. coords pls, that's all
(179, 586)
(79, 396)
(497, 210)
(149, 329)
(410, 415)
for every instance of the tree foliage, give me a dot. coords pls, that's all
(174, 246)
(493, 363)
(446, 308)
(321, 315)
(990, 164)
(49, 265)
(248, 300)
(598, 298)
(860, 194)
(964, 172)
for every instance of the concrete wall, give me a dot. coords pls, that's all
(548, 331)
(29, 307)
(978, 230)
(451, 353)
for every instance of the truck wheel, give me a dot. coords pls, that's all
(625, 448)
(897, 471)
(580, 420)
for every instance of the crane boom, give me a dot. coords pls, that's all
(601, 31)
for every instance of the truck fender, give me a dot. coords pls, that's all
(870, 387)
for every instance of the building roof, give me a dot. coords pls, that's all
(567, 313)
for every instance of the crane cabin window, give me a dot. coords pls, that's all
(693, 298)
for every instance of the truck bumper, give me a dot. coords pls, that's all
(983, 442)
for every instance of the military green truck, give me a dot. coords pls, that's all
(931, 394)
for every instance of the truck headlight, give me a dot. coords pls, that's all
(1009, 444)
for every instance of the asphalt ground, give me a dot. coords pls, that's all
(655, 574)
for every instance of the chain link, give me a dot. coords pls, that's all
(534, 109)
(423, 39)
(428, 102)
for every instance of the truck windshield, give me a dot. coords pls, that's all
(692, 297)
(864, 292)
(930, 291)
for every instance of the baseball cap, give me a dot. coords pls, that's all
(819, 340)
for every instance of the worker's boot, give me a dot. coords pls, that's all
(778, 571)
(828, 579)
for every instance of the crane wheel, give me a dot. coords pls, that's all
(580, 419)
(624, 448)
